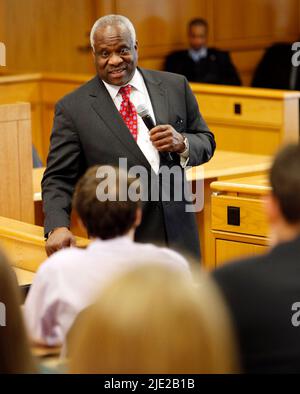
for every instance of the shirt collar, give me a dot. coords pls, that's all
(136, 82)
(123, 239)
(198, 54)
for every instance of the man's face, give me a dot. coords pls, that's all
(115, 55)
(197, 37)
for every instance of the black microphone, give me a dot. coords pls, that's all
(143, 112)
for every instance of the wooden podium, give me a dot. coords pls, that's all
(16, 162)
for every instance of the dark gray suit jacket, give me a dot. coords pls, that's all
(88, 130)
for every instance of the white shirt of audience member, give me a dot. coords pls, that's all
(70, 280)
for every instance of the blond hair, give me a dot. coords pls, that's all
(154, 320)
(15, 355)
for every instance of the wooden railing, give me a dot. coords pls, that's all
(25, 243)
(243, 119)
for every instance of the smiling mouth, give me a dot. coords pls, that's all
(118, 71)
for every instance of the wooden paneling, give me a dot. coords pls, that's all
(45, 35)
(251, 23)
(252, 215)
(104, 7)
(53, 35)
(251, 235)
(268, 117)
(228, 164)
(16, 162)
(246, 62)
(249, 120)
(161, 25)
(232, 137)
(228, 250)
(260, 111)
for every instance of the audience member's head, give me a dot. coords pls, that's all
(103, 204)
(197, 33)
(283, 203)
(154, 320)
(15, 356)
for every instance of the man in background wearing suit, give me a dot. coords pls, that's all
(97, 124)
(263, 293)
(202, 64)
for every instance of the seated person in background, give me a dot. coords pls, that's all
(202, 64)
(153, 320)
(261, 291)
(275, 70)
(67, 282)
(15, 355)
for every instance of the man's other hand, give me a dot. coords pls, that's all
(59, 238)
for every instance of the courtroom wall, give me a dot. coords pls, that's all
(52, 35)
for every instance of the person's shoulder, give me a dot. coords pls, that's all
(178, 54)
(59, 260)
(80, 92)
(241, 271)
(164, 76)
(280, 47)
(217, 53)
(163, 255)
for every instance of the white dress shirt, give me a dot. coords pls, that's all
(198, 54)
(139, 95)
(71, 279)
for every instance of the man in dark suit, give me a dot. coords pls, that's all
(98, 124)
(202, 64)
(263, 293)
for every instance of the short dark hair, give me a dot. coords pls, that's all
(198, 22)
(109, 218)
(285, 182)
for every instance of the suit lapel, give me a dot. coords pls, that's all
(158, 96)
(106, 109)
(159, 100)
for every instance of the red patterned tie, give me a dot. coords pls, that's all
(128, 111)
